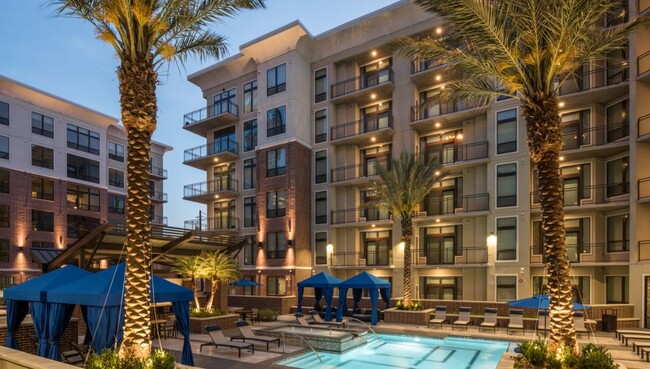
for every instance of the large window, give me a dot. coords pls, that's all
(225, 140)
(83, 169)
(441, 245)
(250, 211)
(4, 147)
(115, 151)
(4, 216)
(116, 204)
(80, 225)
(377, 248)
(507, 238)
(276, 245)
(42, 125)
(276, 80)
(4, 113)
(83, 139)
(320, 83)
(83, 198)
(249, 173)
(506, 287)
(4, 181)
(250, 250)
(5, 282)
(618, 177)
(42, 221)
(320, 130)
(618, 289)
(115, 178)
(578, 238)
(320, 166)
(250, 135)
(250, 97)
(507, 131)
(507, 185)
(42, 188)
(276, 121)
(42, 157)
(441, 288)
(276, 203)
(320, 248)
(276, 286)
(618, 125)
(225, 102)
(276, 162)
(321, 207)
(618, 233)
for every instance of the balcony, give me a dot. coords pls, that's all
(157, 219)
(360, 259)
(359, 173)
(601, 141)
(613, 252)
(363, 89)
(457, 154)
(199, 157)
(157, 196)
(423, 72)
(644, 250)
(435, 206)
(158, 173)
(211, 117)
(643, 125)
(360, 216)
(423, 115)
(477, 255)
(222, 223)
(644, 189)
(643, 67)
(222, 187)
(599, 85)
(372, 128)
(594, 195)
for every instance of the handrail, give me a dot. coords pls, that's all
(599, 193)
(366, 324)
(210, 111)
(585, 84)
(362, 170)
(371, 214)
(644, 188)
(467, 255)
(210, 149)
(213, 223)
(305, 341)
(422, 111)
(463, 152)
(418, 66)
(593, 252)
(158, 195)
(361, 82)
(449, 205)
(160, 172)
(606, 133)
(220, 183)
(368, 123)
(643, 125)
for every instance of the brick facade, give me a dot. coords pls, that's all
(27, 328)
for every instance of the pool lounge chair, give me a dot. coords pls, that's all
(439, 318)
(579, 323)
(218, 339)
(248, 334)
(319, 320)
(515, 320)
(464, 317)
(490, 320)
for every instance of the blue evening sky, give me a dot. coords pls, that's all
(61, 56)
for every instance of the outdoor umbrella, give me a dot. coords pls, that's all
(245, 283)
(540, 302)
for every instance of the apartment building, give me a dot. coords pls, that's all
(62, 173)
(332, 107)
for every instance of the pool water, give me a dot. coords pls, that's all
(409, 352)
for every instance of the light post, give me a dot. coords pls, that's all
(330, 251)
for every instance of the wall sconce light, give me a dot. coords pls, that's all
(260, 245)
(330, 251)
(491, 240)
(289, 243)
(289, 225)
(60, 240)
(21, 249)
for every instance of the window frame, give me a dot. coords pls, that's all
(516, 184)
(276, 249)
(250, 169)
(274, 200)
(273, 128)
(5, 120)
(4, 256)
(320, 136)
(250, 206)
(322, 95)
(114, 152)
(42, 194)
(320, 218)
(277, 86)
(116, 178)
(113, 206)
(276, 169)
(5, 216)
(252, 89)
(77, 132)
(320, 161)
(276, 284)
(514, 249)
(249, 137)
(42, 161)
(318, 259)
(5, 181)
(85, 198)
(496, 287)
(83, 168)
(508, 149)
(41, 126)
(5, 154)
(38, 216)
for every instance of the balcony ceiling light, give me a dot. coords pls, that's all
(373, 139)
(216, 160)
(437, 220)
(373, 96)
(438, 30)
(216, 196)
(373, 226)
(459, 136)
(561, 158)
(437, 125)
(561, 104)
(437, 172)
(373, 53)
(438, 77)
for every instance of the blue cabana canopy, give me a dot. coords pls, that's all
(323, 284)
(540, 302)
(245, 283)
(36, 289)
(357, 284)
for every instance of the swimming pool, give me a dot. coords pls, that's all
(409, 352)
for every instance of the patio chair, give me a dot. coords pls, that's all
(579, 323)
(490, 320)
(439, 318)
(169, 328)
(248, 334)
(218, 339)
(302, 320)
(542, 321)
(515, 321)
(464, 317)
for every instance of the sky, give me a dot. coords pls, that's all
(62, 56)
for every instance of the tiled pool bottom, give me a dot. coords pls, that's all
(409, 352)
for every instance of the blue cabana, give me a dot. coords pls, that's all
(323, 284)
(34, 292)
(357, 284)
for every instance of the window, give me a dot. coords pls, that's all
(581, 288)
(83, 139)
(4, 216)
(507, 185)
(42, 157)
(42, 125)
(275, 162)
(618, 289)
(321, 166)
(506, 287)
(276, 286)
(250, 97)
(321, 207)
(42, 245)
(321, 248)
(249, 173)
(618, 177)
(320, 83)
(507, 131)
(4, 113)
(618, 125)
(115, 151)
(441, 288)
(250, 135)
(578, 238)
(618, 233)
(276, 80)
(115, 178)
(42, 188)
(5, 282)
(250, 250)
(250, 212)
(83, 169)
(4, 147)
(80, 225)
(225, 140)
(276, 245)
(576, 129)
(276, 121)
(321, 126)
(42, 221)
(507, 238)
(377, 248)
(83, 198)
(276, 202)
(225, 102)
(4, 181)
(441, 245)
(116, 204)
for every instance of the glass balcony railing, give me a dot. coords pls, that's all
(211, 149)
(219, 184)
(213, 223)
(225, 107)
(587, 195)
(585, 80)
(361, 258)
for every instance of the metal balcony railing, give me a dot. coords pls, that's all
(594, 78)
(588, 195)
(595, 135)
(644, 188)
(221, 183)
(368, 123)
(361, 258)
(643, 250)
(359, 215)
(213, 223)
(452, 205)
(361, 82)
(199, 115)
(643, 125)
(611, 251)
(159, 196)
(450, 256)
(210, 149)
(418, 66)
(357, 171)
(448, 155)
(160, 172)
(436, 109)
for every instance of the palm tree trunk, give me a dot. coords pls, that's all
(545, 142)
(407, 234)
(138, 104)
(195, 289)
(213, 291)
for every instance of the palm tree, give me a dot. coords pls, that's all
(526, 50)
(190, 267)
(218, 267)
(145, 35)
(401, 190)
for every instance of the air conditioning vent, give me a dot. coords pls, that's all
(362, 262)
(362, 219)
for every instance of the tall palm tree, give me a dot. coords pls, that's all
(145, 35)
(218, 267)
(525, 50)
(190, 267)
(401, 190)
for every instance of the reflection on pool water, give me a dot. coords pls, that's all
(409, 352)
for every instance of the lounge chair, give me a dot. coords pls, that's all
(439, 318)
(515, 320)
(464, 317)
(302, 320)
(248, 334)
(319, 320)
(579, 323)
(169, 328)
(543, 321)
(218, 339)
(490, 320)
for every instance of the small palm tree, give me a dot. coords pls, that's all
(400, 191)
(145, 35)
(218, 267)
(190, 267)
(526, 50)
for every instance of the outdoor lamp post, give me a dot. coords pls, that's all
(330, 250)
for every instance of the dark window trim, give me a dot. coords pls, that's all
(277, 87)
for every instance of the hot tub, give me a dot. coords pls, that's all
(320, 338)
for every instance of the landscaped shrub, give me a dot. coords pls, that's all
(109, 359)
(205, 314)
(534, 355)
(267, 315)
(414, 306)
(595, 357)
